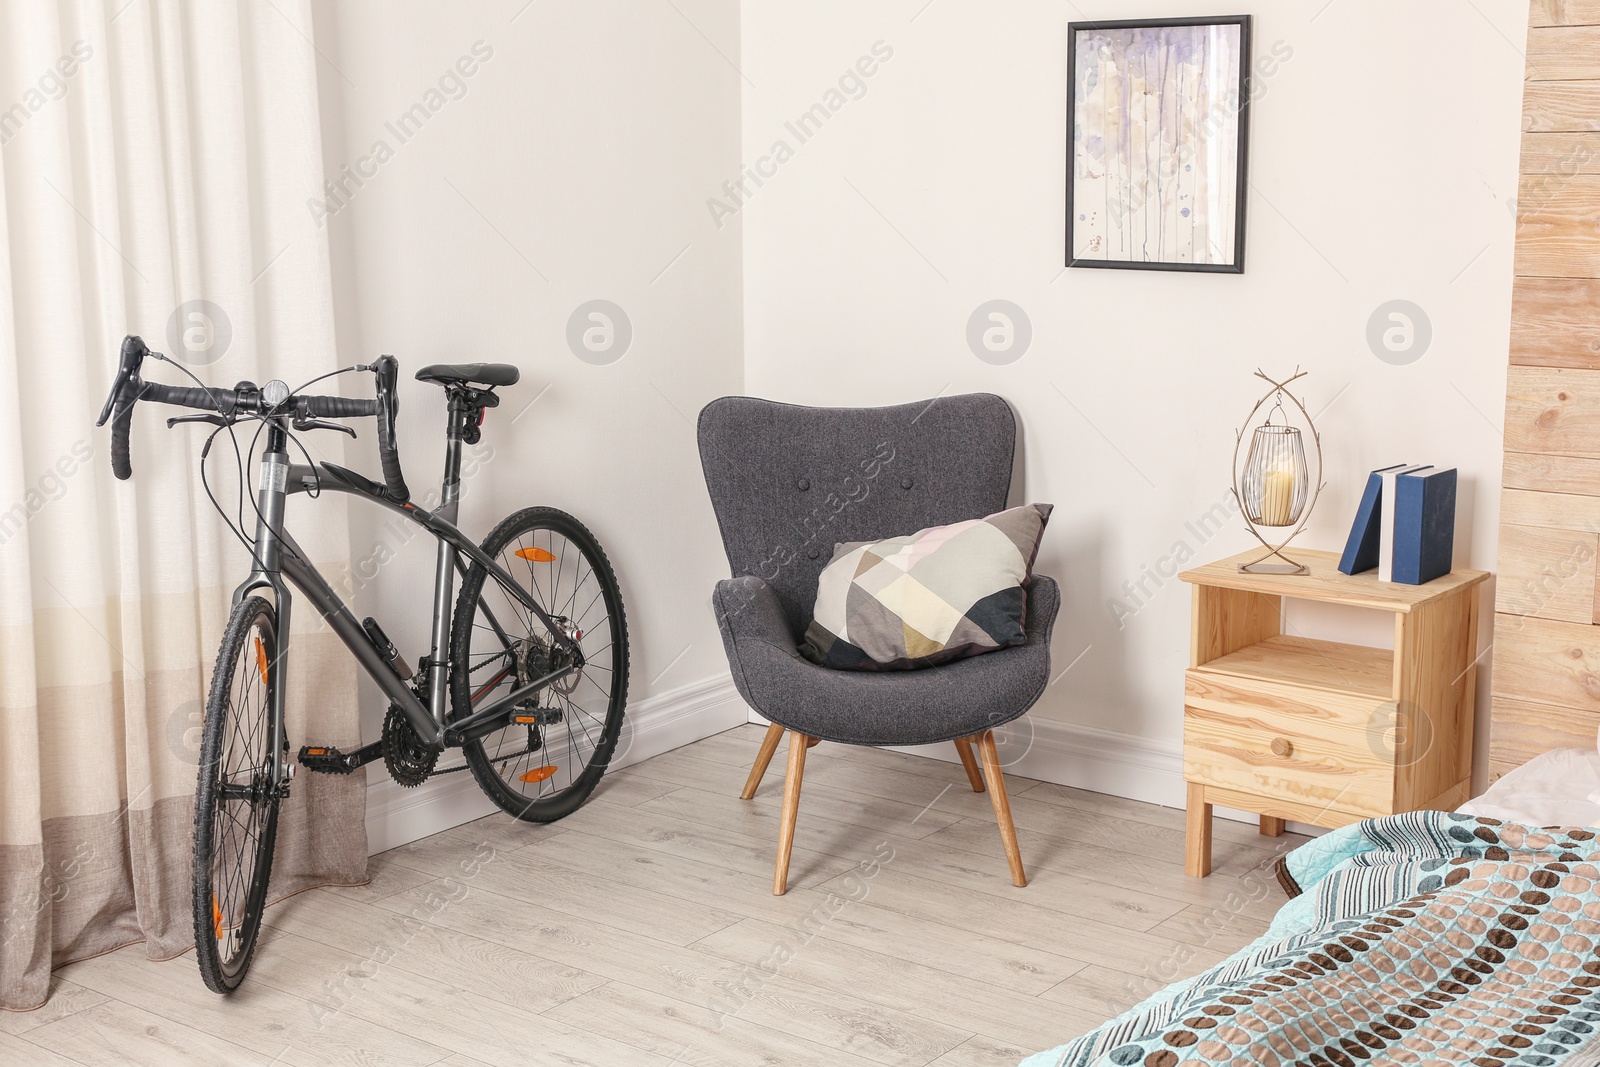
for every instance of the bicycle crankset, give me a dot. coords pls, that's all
(410, 762)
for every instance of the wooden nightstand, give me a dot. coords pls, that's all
(1318, 731)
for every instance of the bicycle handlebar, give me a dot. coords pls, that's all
(245, 399)
(385, 372)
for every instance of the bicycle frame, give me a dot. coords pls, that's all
(277, 556)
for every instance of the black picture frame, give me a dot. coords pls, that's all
(1242, 186)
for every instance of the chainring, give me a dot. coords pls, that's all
(409, 761)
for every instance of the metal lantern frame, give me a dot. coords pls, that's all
(1277, 395)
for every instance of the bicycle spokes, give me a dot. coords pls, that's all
(560, 739)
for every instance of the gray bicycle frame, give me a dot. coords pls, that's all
(277, 556)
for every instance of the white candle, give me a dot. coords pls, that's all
(1277, 496)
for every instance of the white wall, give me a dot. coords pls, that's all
(602, 139)
(1382, 159)
(578, 150)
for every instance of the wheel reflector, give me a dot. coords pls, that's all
(536, 555)
(538, 774)
(216, 916)
(261, 660)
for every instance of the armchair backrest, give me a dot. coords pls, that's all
(789, 482)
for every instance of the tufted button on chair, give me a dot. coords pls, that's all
(868, 473)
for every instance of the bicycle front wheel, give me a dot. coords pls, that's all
(236, 800)
(543, 769)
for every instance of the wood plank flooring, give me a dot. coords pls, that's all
(642, 930)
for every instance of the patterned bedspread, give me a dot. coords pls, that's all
(1424, 938)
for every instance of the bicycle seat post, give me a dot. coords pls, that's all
(445, 566)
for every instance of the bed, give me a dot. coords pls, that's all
(1466, 937)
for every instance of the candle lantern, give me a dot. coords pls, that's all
(1275, 476)
(1274, 486)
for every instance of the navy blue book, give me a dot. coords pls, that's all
(1424, 525)
(1361, 550)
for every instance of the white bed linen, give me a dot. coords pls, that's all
(1556, 788)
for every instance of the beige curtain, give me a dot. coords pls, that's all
(156, 157)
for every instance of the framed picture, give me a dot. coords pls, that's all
(1157, 126)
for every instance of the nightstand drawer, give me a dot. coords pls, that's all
(1336, 717)
(1304, 746)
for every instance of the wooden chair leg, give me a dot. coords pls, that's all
(995, 776)
(769, 745)
(798, 743)
(970, 762)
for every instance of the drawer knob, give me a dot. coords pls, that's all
(1281, 746)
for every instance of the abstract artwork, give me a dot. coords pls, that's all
(1158, 117)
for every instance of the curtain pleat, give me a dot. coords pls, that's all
(156, 154)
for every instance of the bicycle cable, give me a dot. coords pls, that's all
(237, 529)
(215, 503)
(342, 370)
(242, 461)
(313, 494)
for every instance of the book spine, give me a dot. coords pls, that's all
(1386, 529)
(1408, 546)
(1358, 528)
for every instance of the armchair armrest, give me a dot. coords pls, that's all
(755, 634)
(1044, 601)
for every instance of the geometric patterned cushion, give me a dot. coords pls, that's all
(933, 596)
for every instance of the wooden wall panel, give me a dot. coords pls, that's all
(1561, 107)
(1553, 410)
(1561, 155)
(1555, 322)
(1563, 53)
(1548, 662)
(1551, 511)
(1552, 474)
(1556, 232)
(1564, 13)
(1523, 729)
(1547, 573)
(1546, 643)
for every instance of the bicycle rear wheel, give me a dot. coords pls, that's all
(542, 771)
(236, 803)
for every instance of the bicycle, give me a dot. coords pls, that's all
(504, 679)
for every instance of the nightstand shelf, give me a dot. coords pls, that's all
(1323, 732)
(1340, 668)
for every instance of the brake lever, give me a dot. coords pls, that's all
(209, 419)
(321, 424)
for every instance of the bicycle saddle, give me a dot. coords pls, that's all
(475, 373)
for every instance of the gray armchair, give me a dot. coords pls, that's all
(787, 483)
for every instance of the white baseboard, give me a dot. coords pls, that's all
(1083, 757)
(656, 724)
(1087, 757)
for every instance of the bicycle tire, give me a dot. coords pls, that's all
(233, 858)
(495, 759)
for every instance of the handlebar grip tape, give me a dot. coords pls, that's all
(122, 419)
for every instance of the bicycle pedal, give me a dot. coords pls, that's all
(324, 759)
(538, 717)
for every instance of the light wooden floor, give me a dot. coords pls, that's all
(642, 930)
